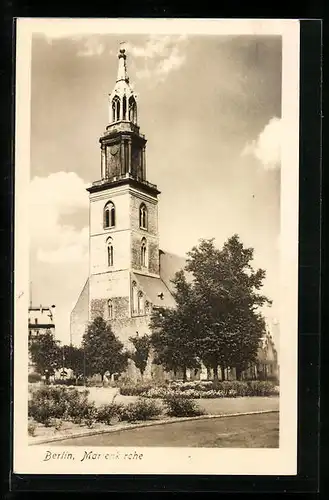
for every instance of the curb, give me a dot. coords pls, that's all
(147, 424)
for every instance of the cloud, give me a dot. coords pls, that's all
(92, 47)
(61, 193)
(67, 253)
(160, 54)
(267, 147)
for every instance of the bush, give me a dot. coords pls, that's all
(155, 392)
(222, 389)
(34, 377)
(134, 390)
(51, 402)
(109, 412)
(66, 382)
(140, 410)
(261, 388)
(231, 389)
(31, 428)
(178, 406)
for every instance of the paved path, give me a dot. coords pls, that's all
(248, 431)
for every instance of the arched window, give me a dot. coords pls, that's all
(124, 108)
(116, 109)
(110, 308)
(109, 215)
(132, 110)
(113, 110)
(140, 303)
(109, 252)
(143, 216)
(134, 297)
(143, 253)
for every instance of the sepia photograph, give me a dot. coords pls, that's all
(156, 246)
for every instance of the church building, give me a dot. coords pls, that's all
(129, 275)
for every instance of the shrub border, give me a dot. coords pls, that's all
(172, 420)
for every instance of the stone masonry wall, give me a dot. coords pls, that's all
(151, 234)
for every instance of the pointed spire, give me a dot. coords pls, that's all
(122, 69)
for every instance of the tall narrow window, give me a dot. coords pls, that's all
(109, 252)
(109, 215)
(116, 109)
(134, 297)
(143, 216)
(140, 303)
(113, 111)
(143, 253)
(124, 107)
(132, 110)
(110, 309)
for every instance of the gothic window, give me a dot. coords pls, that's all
(134, 297)
(109, 252)
(143, 216)
(110, 309)
(143, 253)
(132, 110)
(116, 109)
(140, 303)
(109, 215)
(113, 110)
(124, 107)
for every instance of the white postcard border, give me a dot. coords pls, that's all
(281, 461)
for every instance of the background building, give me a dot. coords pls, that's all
(40, 320)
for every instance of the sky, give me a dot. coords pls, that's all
(210, 108)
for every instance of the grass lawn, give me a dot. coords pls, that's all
(216, 406)
(248, 431)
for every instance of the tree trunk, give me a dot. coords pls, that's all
(184, 374)
(222, 370)
(215, 369)
(238, 372)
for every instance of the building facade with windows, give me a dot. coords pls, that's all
(129, 275)
(40, 320)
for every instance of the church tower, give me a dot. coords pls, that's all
(123, 227)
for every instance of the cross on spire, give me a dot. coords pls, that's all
(122, 69)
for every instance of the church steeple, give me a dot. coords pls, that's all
(123, 147)
(122, 100)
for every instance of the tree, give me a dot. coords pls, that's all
(45, 353)
(74, 359)
(103, 351)
(227, 290)
(173, 330)
(140, 355)
(217, 318)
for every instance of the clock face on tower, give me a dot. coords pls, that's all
(113, 161)
(114, 150)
